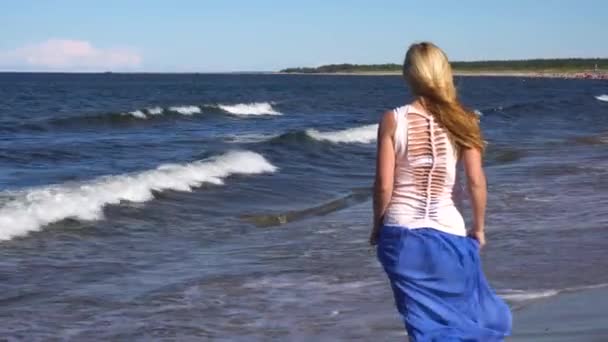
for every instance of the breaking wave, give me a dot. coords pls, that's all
(364, 134)
(240, 109)
(186, 110)
(138, 114)
(159, 111)
(602, 98)
(130, 117)
(256, 108)
(155, 111)
(30, 210)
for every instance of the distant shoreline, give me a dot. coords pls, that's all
(578, 68)
(530, 74)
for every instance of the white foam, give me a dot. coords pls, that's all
(30, 210)
(185, 110)
(521, 296)
(249, 138)
(256, 108)
(526, 295)
(241, 109)
(478, 112)
(309, 283)
(602, 98)
(138, 114)
(155, 110)
(364, 134)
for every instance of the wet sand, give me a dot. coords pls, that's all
(578, 316)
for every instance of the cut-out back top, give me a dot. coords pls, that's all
(426, 190)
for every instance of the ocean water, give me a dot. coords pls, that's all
(237, 207)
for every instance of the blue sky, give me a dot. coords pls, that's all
(260, 35)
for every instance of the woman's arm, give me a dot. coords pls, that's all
(476, 183)
(385, 169)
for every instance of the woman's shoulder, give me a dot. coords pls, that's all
(388, 121)
(392, 114)
(390, 117)
(403, 109)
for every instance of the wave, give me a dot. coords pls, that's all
(364, 134)
(255, 108)
(30, 210)
(602, 97)
(528, 295)
(275, 219)
(185, 110)
(138, 114)
(240, 109)
(520, 295)
(156, 111)
(249, 138)
(145, 113)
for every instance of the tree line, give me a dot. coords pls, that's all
(562, 64)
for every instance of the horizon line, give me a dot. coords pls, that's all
(277, 70)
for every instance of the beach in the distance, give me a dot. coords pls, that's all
(563, 75)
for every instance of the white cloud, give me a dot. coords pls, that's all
(68, 55)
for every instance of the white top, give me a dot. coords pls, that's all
(426, 183)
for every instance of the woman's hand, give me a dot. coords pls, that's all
(480, 236)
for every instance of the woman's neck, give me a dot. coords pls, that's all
(418, 103)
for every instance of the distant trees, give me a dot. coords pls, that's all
(335, 68)
(567, 64)
(531, 65)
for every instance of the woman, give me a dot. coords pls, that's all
(433, 266)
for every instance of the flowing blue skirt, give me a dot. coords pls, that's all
(439, 286)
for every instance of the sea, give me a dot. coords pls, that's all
(237, 207)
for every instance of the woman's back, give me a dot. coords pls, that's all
(425, 175)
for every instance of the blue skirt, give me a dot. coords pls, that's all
(439, 286)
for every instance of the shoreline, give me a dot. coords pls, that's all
(570, 316)
(539, 74)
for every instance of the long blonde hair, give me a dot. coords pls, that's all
(429, 74)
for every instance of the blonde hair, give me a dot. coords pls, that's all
(429, 74)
